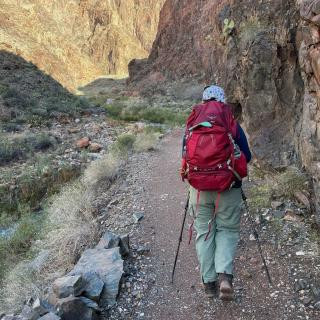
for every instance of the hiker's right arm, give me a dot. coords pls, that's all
(242, 142)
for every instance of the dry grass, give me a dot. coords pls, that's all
(105, 169)
(70, 229)
(146, 141)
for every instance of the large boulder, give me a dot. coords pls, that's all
(108, 265)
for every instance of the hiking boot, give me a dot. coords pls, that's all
(225, 287)
(210, 289)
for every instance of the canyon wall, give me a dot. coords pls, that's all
(268, 60)
(76, 41)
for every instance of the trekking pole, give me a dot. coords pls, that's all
(180, 238)
(255, 233)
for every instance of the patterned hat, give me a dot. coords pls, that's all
(214, 92)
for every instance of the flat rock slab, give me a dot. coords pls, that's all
(108, 264)
(68, 285)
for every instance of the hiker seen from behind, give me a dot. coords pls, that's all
(214, 161)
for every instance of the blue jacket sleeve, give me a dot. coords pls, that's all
(242, 142)
(183, 146)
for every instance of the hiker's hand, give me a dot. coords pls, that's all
(183, 169)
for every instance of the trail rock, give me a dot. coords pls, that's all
(302, 198)
(73, 130)
(278, 214)
(50, 316)
(94, 286)
(95, 147)
(83, 143)
(291, 216)
(306, 301)
(73, 308)
(138, 216)
(68, 285)
(124, 245)
(317, 305)
(301, 284)
(40, 307)
(108, 241)
(107, 263)
(143, 250)
(29, 314)
(276, 204)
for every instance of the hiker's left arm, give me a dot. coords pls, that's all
(242, 142)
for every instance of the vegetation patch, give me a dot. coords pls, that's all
(27, 95)
(139, 112)
(277, 186)
(23, 146)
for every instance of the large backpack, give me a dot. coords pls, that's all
(213, 159)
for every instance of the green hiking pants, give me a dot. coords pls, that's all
(216, 250)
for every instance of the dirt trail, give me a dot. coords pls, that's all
(164, 199)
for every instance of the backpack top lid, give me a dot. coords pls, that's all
(214, 113)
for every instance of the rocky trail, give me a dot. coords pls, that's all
(152, 188)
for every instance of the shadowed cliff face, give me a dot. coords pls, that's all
(77, 40)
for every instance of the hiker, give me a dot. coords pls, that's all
(215, 157)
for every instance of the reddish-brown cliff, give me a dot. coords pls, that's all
(77, 40)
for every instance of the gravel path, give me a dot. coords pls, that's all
(153, 187)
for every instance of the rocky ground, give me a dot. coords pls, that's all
(151, 189)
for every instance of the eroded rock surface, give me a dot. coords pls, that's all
(76, 41)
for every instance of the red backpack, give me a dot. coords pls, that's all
(213, 160)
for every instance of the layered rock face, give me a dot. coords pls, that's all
(77, 40)
(308, 129)
(268, 62)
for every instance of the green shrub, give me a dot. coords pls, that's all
(10, 151)
(114, 110)
(146, 141)
(18, 148)
(16, 247)
(289, 182)
(123, 144)
(260, 196)
(160, 115)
